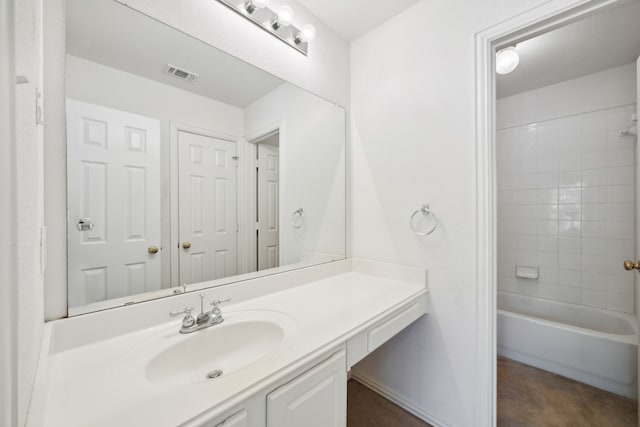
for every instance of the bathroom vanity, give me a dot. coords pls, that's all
(280, 358)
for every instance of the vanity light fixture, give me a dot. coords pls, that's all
(507, 60)
(278, 23)
(251, 5)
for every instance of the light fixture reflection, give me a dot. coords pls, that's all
(507, 60)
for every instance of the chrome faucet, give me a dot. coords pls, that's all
(203, 320)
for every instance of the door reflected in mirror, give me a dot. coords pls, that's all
(188, 166)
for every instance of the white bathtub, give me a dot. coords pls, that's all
(593, 346)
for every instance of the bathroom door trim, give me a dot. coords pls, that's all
(550, 15)
(8, 291)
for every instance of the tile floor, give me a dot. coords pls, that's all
(531, 397)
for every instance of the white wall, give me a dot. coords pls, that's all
(29, 197)
(312, 168)
(128, 92)
(8, 290)
(566, 190)
(413, 137)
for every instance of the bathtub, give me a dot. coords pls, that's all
(589, 345)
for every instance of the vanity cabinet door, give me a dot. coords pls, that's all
(317, 398)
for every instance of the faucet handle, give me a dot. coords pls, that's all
(216, 303)
(187, 311)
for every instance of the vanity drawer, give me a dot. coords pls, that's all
(239, 418)
(364, 343)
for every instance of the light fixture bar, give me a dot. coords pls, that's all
(267, 19)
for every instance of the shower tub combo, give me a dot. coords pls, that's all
(589, 345)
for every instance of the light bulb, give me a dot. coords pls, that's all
(251, 5)
(285, 16)
(307, 34)
(507, 60)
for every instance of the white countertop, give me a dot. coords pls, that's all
(88, 386)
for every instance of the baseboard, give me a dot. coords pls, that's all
(397, 399)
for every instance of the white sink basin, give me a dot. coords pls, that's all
(244, 338)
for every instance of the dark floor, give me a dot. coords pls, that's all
(366, 408)
(528, 396)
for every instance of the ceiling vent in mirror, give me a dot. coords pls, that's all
(181, 73)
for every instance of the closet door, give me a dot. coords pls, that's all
(113, 203)
(207, 211)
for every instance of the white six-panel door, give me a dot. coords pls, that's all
(207, 211)
(268, 202)
(113, 170)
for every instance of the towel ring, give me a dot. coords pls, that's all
(297, 219)
(426, 211)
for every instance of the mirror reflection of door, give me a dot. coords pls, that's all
(207, 207)
(268, 244)
(113, 188)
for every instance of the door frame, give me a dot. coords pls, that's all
(252, 138)
(174, 173)
(9, 405)
(544, 18)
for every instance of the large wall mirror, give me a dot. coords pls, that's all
(187, 167)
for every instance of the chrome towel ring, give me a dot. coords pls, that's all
(426, 211)
(297, 219)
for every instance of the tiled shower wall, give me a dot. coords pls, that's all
(566, 204)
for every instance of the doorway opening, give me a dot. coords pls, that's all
(557, 188)
(267, 245)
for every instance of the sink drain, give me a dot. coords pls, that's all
(214, 374)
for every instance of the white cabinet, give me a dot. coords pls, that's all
(317, 398)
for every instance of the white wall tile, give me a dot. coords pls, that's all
(572, 178)
(566, 203)
(595, 142)
(620, 212)
(594, 212)
(594, 194)
(595, 159)
(593, 298)
(548, 196)
(594, 228)
(591, 177)
(621, 175)
(548, 244)
(571, 294)
(568, 277)
(620, 193)
(572, 245)
(567, 261)
(547, 212)
(618, 302)
(570, 195)
(569, 212)
(569, 228)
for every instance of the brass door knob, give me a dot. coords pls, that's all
(153, 249)
(186, 245)
(630, 265)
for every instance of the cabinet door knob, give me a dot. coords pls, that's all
(186, 245)
(153, 250)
